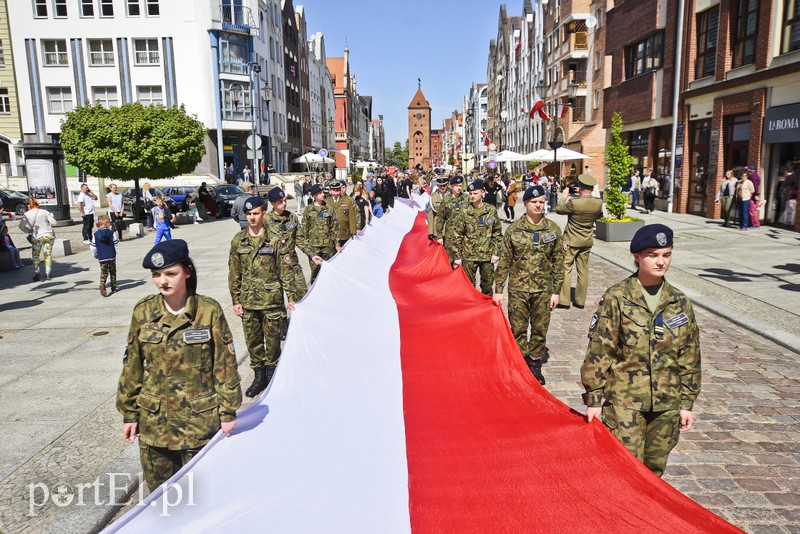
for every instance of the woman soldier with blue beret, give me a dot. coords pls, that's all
(642, 368)
(179, 382)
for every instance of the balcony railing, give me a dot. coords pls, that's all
(581, 41)
(578, 77)
(234, 18)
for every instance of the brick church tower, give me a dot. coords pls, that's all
(419, 131)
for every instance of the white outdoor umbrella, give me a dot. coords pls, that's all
(509, 155)
(310, 157)
(366, 164)
(562, 154)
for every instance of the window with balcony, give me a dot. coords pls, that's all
(233, 54)
(149, 94)
(101, 52)
(235, 101)
(707, 24)
(745, 30)
(105, 96)
(645, 56)
(106, 8)
(790, 34)
(60, 9)
(59, 99)
(87, 8)
(5, 102)
(145, 52)
(55, 53)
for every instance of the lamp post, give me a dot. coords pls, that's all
(255, 69)
(555, 144)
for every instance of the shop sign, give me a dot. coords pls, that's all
(782, 124)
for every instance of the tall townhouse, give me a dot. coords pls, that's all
(741, 104)
(346, 116)
(305, 90)
(476, 114)
(315, 93)
(10, 130)
(291, 72)
(327, 97)
(271, 26)
(365, 126)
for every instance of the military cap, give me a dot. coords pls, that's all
(275, 194)
(534, 191)
(457, 180)
(246, 185)
(166, 254)
(316, 188)
(252, 203)
(476, 185)
(651, 236)
(335, 185)
(587, 180)
(442, 180)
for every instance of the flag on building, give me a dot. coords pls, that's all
(485, 138)
(562, 111)
(538, 108)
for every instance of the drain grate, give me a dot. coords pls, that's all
(100, 333)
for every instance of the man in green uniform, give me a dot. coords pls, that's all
(437, 196)
(642, 367)
(454, 201)
(344, 208)
(478, 237)
(581, 212)
(318, 236)
(532, 259)
(285, 224)
(257, 280)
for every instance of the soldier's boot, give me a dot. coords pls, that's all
(536, 368)
(260, 382)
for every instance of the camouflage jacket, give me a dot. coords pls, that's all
(478, 233)
(179, 377)
(257, 273)
(286, 227)
(433, 208)
(320, 229)
(448, 210)
(346, 213)
(639, 359)
(531, 258)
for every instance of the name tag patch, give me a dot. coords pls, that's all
(196, 336)
(489, 221)
(593, 323)
(548, 238)
(291, 226)
(265, 251)
(679, 320)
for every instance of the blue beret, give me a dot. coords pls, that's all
(751, 168)
(275, 194)
(252, 203)
(651, 236)
(457, 180)
(166, 254)
(316, 188)
(534, 191)
(476, 185)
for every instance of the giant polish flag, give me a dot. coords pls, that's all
(402, 404)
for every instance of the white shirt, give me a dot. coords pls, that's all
(88, 203)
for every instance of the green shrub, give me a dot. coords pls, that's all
(619, 162)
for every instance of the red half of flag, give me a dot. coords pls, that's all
(538, 107)
(562, 111)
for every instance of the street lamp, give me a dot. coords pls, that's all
(555, 144)
(255, 68)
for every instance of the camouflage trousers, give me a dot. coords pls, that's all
(650, 436)
(532, 309)
(579, 257)
(159, 464)
(262, 334)
(108, 268)
(448, 247)
(486, 268)
(325, 254)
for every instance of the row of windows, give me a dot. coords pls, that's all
(91, 8)
(59, 99)
(101, 52)
(645, 56)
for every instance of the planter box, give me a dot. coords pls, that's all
(617, 231)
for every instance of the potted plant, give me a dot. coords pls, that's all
(618, 226)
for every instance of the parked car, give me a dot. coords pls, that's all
(127, 202)
(179, 192)
(225, 194)
(14, 201)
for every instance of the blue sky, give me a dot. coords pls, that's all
(449, 38)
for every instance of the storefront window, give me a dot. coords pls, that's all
(782, 183)
(698, 170)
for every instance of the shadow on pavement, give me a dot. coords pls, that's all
(19, 305)
(24, 276)
(727, 275)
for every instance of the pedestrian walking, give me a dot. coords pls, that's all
(237, 209)
(642, 367)
(257, 281)
(162, 217)
(114, 200)
(744, 194)
(636, 184)
(104, 250)
(149, 204)
(85, 205)
(581, 212)
(726, 194)
(298, 194)
(179, 383)
(39, 224)
(363, 206)
(650, 188)
(319, 232)
(532, 261)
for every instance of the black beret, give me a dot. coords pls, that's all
(166, 254)
(275, 194)
(476, 185)
(534, 191)
(252, 203)
(651, 236)
(316, 188)
(457, 180)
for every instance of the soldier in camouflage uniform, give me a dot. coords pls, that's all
(285, 224)
(437, 196)
(478, 237)
(318, 236)
(451, 204)
(257, 280)
(179, 383)
(345, 210)
(642, 367)
(532, 258)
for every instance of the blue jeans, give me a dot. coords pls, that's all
(634, 198)
(744, 214)
(166, 233)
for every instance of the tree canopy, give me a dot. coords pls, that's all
(132, 141)
(397, 156)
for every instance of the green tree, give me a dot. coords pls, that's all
(132, 142)
(619, 162)
(397, 155)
